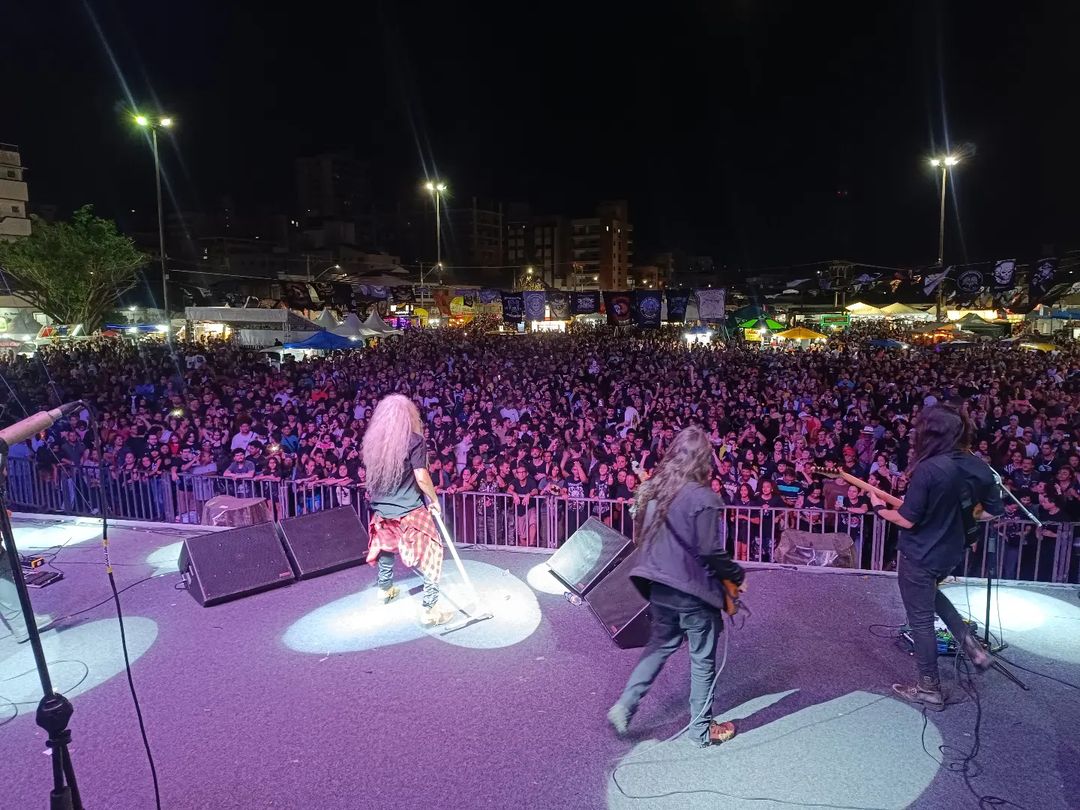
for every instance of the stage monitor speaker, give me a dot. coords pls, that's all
(620, 607)
(588, 554)
(220, 566)
(321, 542)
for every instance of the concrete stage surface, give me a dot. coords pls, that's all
(315, 696)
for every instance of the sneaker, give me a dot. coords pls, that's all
(619, 717)
(388, 595)
(434, 616)
(927, 693)
(720, 732)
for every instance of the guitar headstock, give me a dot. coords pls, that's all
(824, 471)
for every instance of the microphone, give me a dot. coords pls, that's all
(35, 423)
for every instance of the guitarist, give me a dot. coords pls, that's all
(936, 522)
(682, 570)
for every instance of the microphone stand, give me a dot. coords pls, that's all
(54, 711)
(998, 554)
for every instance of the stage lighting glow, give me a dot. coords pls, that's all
(35, 536)
(1043, 620)
(95, 644)
(541, 579)
(808, 756)
(165, 560)
(361, 622)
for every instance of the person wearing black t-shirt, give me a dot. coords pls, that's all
(523, 489)
(946, 483)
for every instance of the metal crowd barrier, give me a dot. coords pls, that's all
(1011, 549)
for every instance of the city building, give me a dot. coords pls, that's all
(14, 219)
(601, 247)
(540, 242)
(472, 236)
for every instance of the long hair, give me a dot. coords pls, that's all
(686, 461)
(386, 441)
(940, 429)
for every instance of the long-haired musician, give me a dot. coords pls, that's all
(936, 522)
(682, 562)
(395, 458)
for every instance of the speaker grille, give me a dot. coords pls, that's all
(235, 563)
(321, 542)
(588, 554)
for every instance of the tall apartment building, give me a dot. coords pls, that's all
(601, 247)
(472, 236)
(540, 242)
(14, 220)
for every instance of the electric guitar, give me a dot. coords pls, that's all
(890, 500)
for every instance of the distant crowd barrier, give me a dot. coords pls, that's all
(1011, 549)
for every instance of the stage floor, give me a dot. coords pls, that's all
(314, 696)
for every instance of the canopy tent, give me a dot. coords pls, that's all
(973, 323)
(886, 343)
(800, 333)
(326, 319)
(325, 341)
(898, 310)
(377, 326)
(758, 323)
(352, 328)
(861, 310)
(1039, 347)
(254, 326)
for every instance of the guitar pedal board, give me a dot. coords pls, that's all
(946, 643)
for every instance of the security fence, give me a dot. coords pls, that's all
(1010, 549)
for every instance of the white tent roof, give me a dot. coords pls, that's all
(859, 308)
(351, 327)
(898, 310)
(326, 319)
(378, 326)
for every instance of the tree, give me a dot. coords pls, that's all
(73, 271)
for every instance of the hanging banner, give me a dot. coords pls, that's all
(970, 281)
(646, 309)
(513, 306)
(489, 296)
(402, 294)
(297, 295)
(1004, 276)
(534, 304)
(617, 306)
(932, 280)
(711, 304)
(341, 295)
(1043, 276)
(559, 304)
(676, 305)
(584, 303)
(442, 300)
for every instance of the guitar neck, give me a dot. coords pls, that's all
(891, 500)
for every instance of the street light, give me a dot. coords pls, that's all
(944, 163)
(437, 189)
(161, 122)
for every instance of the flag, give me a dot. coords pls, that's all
(931, 281)
(970, 281)
(297, 295)
(442, 300)
(1004, 276)
(489, 296)
(646, 309)
(324, 292)
(376, 291)
(617, 305)
(534, 304)
(676, 305)
(402, 294)
(1043, 275)
(559, 303)
(584, 303)
(711, 304)
(513, 306)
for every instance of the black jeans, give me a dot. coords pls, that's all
(922, 599)
(701, 627)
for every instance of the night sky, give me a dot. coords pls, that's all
(762, 133)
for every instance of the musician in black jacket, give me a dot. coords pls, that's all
(936, 521)
(677, 529)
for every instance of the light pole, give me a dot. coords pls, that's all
(154, 124)
(944, 163)
(437, 188)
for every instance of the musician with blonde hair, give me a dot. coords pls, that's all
(395, 459)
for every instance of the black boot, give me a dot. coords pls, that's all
(927, 693)
(975, 652)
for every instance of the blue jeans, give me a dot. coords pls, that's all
(386, 579)
(701, 626)
(922, 599)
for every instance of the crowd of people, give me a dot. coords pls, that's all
(583, 417)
